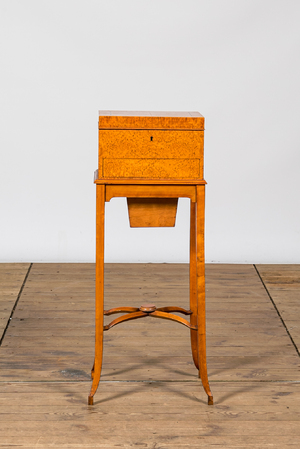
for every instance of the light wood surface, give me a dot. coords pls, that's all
(193, 284)
(150, 191)
(149, 168)
(200, 278)
(167, 146)
(152, 212)
(145, 181)
(99, 291)
(144, 211)
(150, 120)
(151, 144)
(149, 395)
(163, 148)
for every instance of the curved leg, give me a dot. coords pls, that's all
(96, 372)
(193, 285)
(92, 371)
(201, 292)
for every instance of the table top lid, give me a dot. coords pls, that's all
(150, 120)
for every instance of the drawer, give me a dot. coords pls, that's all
(152, 168)
(146, 144)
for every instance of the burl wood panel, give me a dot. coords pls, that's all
(152, 168)
(151, 144)
(152, 212)
(150, 120)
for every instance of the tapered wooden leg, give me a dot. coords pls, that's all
(200, 205)
(193, 284)
(99, 290)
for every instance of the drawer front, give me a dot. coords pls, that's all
(153, 168)
(129, 144)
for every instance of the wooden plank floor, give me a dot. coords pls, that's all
(12, 277)
(149, 395)
(283, 285)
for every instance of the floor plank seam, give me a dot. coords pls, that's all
(246, 381)
(278, 313)
(16, 303)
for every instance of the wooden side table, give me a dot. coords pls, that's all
(152, 159)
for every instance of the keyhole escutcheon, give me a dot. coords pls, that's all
(151, 138)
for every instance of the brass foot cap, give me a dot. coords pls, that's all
(148, 308)
(91, 400)
(210, 400)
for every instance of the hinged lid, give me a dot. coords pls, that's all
(150, 120)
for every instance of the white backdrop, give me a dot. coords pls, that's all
(234, 61)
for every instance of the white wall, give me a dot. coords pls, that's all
(235, 61)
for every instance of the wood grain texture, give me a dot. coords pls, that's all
(155, 154)
(99, 291)
(150, 120)
(152, 212)
(193, 284)
(48, 351)
(283, 284)
(12, 276)
(200, 277)
(245, 337)
(152, 168)
(150, 191)
(163, 152)
(145, 181)
(150, 144)
(150, 415)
